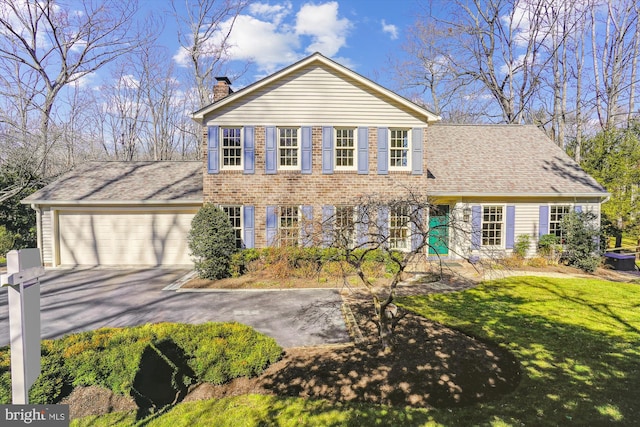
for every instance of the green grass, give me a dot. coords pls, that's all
(578, 342)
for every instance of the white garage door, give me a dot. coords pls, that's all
(124, 238)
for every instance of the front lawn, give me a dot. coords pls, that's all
(577, 340)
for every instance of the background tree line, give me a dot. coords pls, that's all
(570, 67)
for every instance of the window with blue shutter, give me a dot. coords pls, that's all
(249, 150)
(511, 219)
(363, 151)
(543, 221)
(383, 151)
(417, 237)
(306, 230)
(383, 223)
(249, 227)
(271, 165)
(362, 224)
(476, 226)
(306, 154)
(272, 225)
(328, 222)
(416, 151)
(213, 162)
(327, 150)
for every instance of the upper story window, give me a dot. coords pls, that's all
(231, 147)
(399, 149)
(556, 213)
(345, 146)
(399, 228)
(289, 148)
(235, 218)
(492, 225)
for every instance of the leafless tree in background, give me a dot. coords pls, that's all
(204, 27)
(47, 46)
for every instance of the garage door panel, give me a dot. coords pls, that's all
(124, 238)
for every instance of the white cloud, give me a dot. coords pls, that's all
(321, 22)
(272, 36)
(272, 13)
(261, 42)
(391, 29)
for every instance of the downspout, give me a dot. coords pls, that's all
(38, 229)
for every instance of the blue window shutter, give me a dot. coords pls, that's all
(543, 222)
(511, 227)
(271, 151)
(362, 225)
(327, 150)
(306, 159)
(383, 151)
(417, 238)
(577, 208)
(476, 226)
(272, 225)
(249, 227)
(249, 150)
(328, 222)
(416, 151)
(363, 151)
(307, 226)
(383, 223)
(213, 161)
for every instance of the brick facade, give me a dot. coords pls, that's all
(294, 188)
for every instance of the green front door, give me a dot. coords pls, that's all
(439, 230)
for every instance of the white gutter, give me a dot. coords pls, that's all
(111, 202)
(530, 195)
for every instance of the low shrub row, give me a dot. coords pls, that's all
(287, 260)
(111, 357)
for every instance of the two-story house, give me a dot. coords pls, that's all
(301, 145)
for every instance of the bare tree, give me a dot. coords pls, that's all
(203, 34)
(399, 229)
(49, 45)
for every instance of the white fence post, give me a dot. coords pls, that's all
(24, 268)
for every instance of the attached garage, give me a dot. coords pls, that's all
(121, 214)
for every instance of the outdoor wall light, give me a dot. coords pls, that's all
(466, 213)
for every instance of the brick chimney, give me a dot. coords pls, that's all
(222, 89)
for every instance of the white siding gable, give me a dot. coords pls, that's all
(314, 95)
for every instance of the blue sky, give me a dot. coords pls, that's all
(360, 34)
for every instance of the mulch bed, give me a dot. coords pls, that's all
(430, 366)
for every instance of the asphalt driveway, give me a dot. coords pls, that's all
(80, 300)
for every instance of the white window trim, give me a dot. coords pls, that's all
(572, 208)
(221, 148)
(407, 240)
(300, 220)
(241, 219)
(503, 229)
(354, 233)
(409, 144)
(355, 149)
(299, 150)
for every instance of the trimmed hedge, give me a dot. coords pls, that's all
(110, 357)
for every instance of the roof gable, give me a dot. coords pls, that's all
(315, 63)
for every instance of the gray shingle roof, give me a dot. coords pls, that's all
(121, 182)
(513, 160)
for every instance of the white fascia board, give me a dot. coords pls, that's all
(529, 195)
(110, 202)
